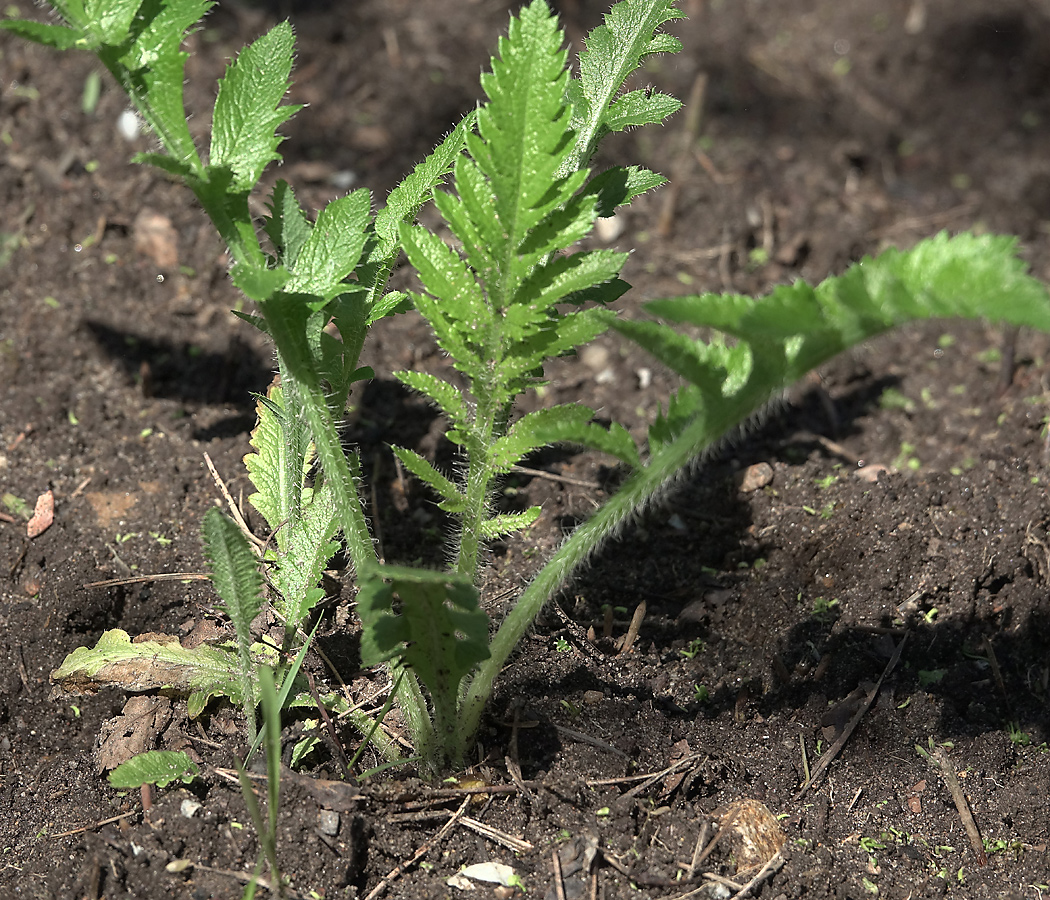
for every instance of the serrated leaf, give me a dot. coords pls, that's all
(58, 36)
(796, 328)
(620, 185)
(116, 661)
(405, 200)
(439, 631)
(287, 225)
(454, 499)
(560, 424)
(150, 68)
(445, 275)
(442, 394)
(389, 304)
(523, 132)
(159, 767)
(509, 523)
(614, 49)
(277, 467)
(257, 283)
(553, 282)
(308, 548)
(234, 572)
(333, 247)
(639, 108)
(110, 20)
(247, 108)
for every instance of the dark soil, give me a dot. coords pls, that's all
(907, 500)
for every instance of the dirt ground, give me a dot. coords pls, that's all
(904, 499)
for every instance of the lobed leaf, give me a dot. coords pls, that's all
(509, 523)
(439, 630)
(613, 51)
(454, 499)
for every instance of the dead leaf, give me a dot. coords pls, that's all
(754, 833)
(43, 515)
(156, 238)
(111, 506)
(133, 732)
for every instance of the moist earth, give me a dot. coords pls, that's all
(898, 498)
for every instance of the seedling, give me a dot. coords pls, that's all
(511, 294)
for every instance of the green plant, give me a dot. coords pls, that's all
(511, 295)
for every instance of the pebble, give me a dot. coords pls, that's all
(755, 477)
(328, 822)
(189, 808)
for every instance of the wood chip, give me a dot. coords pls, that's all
(43, 515)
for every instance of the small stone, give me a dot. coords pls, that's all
(188, 808)
(755, 477)
(594, 357)
(592, 697)
(609, 229)
(328, 822)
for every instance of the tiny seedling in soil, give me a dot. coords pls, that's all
(515, 186)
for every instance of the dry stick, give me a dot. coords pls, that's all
(723, 830)
(680, 167)
(550, 476)
(93, 825)
(140, 579)
(559, 883)
(234, 511)
(340, 754)
(633, 628)
(773, 862)
(424, 849)
(834, 749)
(494, 834)
(700, 838)
(940, 757)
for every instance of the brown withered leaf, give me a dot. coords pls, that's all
(134, 731)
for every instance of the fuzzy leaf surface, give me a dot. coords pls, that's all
(287, 225)
(439, 629)
(333, 247)
(781, 337)
(628, 34)
(234, 572)
(453, 498)
(248, 111)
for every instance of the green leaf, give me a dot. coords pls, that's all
(524, 129)
(234, 572)
(439, 630)
(640, 108)
(287, 225)
(276, 477)
(150, 68)
(509, 523)
(779, 338)
(619, 185)
(159, 767)
(442, 394)
(248, 111)
(110, 20)
(454, 499)
(333, 247)
(560, 424)
(308, 548)
(405, 200)
(613, 51)
(257, 283)
(115, 661)
(58, 36)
